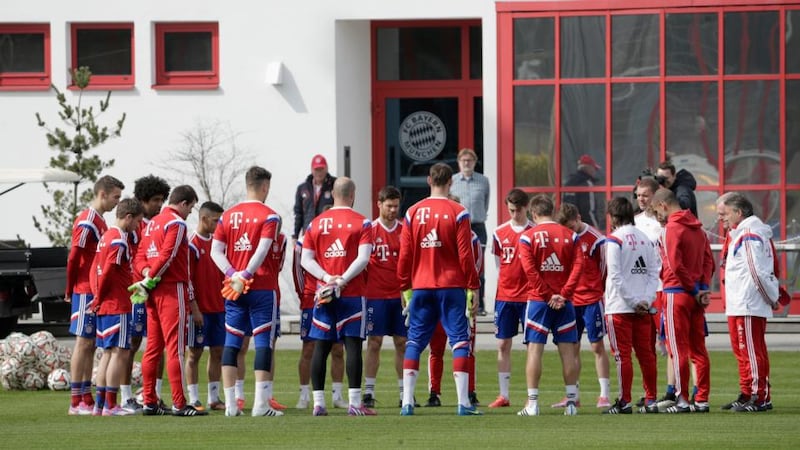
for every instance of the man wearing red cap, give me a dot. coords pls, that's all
(585, 201)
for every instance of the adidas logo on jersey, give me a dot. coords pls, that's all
(152, 250)
(243, 244)
(431, 240)
(336, 250)
(552, 264)
(639, 267)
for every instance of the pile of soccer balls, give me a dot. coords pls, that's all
(34, 362)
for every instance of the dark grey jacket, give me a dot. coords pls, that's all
(305, 206)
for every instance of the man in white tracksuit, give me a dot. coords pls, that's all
(751, 294)
(632, 278)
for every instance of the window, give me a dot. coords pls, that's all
(187, 56)
(24, 56)
(107, 50)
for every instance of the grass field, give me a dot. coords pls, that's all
(39, 419)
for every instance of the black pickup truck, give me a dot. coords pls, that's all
(30, 277)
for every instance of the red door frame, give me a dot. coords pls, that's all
(465, 89)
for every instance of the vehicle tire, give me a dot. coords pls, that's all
(7, 325)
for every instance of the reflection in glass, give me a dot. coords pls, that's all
(419, 53)
(534, 48)
(793, 132)
(691, 44)
(692, 122)
(634, 45)
(635, 130)
(105, 52)
(534, 137)
(583, 47)
(751, 132)
(475, 53)
(792, 41)
(21, 52)
(583, 125)
(751, 42)
(188, 51)
(591, 207)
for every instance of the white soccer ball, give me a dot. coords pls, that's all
(32, 381)
(48, 360)
(58, 380)
(44, 340)
(136, 374)
(5, 350)
(26, 351)
(10, 372)
(64, 357)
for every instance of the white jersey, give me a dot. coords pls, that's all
(652, 228)
(632, 270)
(750, 282)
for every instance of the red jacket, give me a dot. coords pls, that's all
(687, 263)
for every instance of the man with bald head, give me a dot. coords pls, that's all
(336, 248)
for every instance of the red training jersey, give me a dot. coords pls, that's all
(335, 236)
(273, 263)
(512, 284)
(548, 253)
(165, 248)
(241, 228)
(436, 247)
(382, 268)
(87, 229)
(687, 262)
(206, 277)
(304, 283)
(111, 273)
(592, 282)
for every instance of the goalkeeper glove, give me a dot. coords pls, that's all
(150, 283)
(138, 293)
(238, 284)
(406, 299)
(326, 293)
(470, 297)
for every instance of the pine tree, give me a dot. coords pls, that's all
(74, 144)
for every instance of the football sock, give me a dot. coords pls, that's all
(605, 387)
(239, 387)
(400, 385)
(671, 389)
(125, 390)
(194, 395)
(409, 382)
(354, 396)
(369, 385)
(305, 391)
(462, 383)
(533, 395)
(230, 401)
(337, 390)
(504, 380)
(87, 393)
(572, 392)
(319, 398)
(76, 390)
(213, 392)
(101, 397)
(111, 397)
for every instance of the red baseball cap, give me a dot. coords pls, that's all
(588, 161)
(318, 161)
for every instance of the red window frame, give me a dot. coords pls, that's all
(186, 80)
(103, 82)
(28, 81)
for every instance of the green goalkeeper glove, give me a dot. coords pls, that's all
(406, 299)
(150, 283)
(470, 297)
(138, 293)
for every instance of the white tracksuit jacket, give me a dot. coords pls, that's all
(632, 270)
(750, 283)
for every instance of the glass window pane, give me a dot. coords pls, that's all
(583, 126)
(534, 48)
(635, 130)
(534, 137)
(751, 42)
(419, 53)
(475, 53)
(583, 47)
(188, 51)
(634, 45)
(105, 52)
(793, 133)
(692, 122)
(792, 41)
(691, 47)
(477, 133)
(751, 132)
(21, 52)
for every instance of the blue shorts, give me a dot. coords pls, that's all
(590, 318)
(344, 316)
(306, 317)
(540, 320)
(508, 316)
(82, 322)
(255, 311)
(139, 320)
(113, 330)
(428, 307)
(385, 318)
(212, 334)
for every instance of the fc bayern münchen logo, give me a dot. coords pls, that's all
(422, 136)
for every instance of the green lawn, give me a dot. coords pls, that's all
(39, 419)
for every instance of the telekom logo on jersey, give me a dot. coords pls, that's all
(382, 250)
(423, 214)
(541, 238)
(326, 224)
(236, 220)
(508, 254)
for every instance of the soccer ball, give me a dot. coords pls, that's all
(64, 356)
(48, 360)
(136, 374)
(44, 340)
(58, 380)
(139, 394)
(32, 381)
(26, 351)
(10, 371)
(5, 349)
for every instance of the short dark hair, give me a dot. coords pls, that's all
(107, 183)
(211, 207)
(441, 174)
(740, 203)
(566, 212)
(388, 193)
(542, 205)
(620, 209)
(150, 186)
(129, 206)
(183, 193)
(517, 197)
(256, 175)
(667, 165)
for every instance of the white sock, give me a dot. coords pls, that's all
(462, 382)
(577, 390)
(230, 401)
(504, 379)
(337, 390)
(409, 383)
(213, 392)
(194, 395)
(369, 385)
(572, 392)
(239, 386)
(400, 385)
(533, 395)
(125, 393)
(319, 398)
(263, 394)
(605, 388)
(159, 384)
(354, 397)
(305, 391)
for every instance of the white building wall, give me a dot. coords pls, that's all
(322, 105)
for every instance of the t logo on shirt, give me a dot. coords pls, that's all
(541, 238)
(236, 220)
(325, 224)
(508, 254)
(381, 251)
(423, 214)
